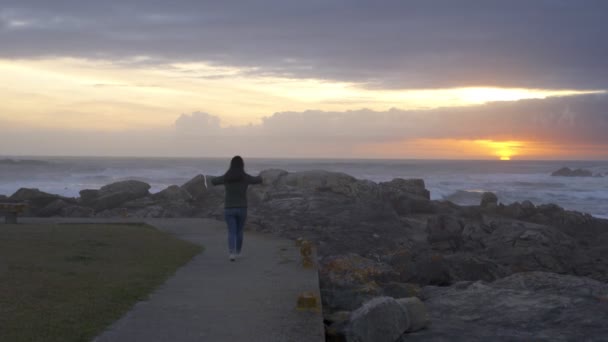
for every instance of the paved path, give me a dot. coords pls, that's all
(213, 299)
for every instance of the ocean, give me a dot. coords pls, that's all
(457, 180)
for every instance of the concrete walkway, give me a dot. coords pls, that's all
(213, 299)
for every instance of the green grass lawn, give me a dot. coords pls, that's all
(69, 282)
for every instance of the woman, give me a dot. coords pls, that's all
(236, 181)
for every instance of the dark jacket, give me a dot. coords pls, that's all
(236, 192)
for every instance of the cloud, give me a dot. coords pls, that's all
(386, 44)
(197, 123)
(569, 119)
(573, 126)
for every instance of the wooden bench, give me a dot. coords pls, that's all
(11, 211)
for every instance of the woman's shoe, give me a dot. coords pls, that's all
(231, 257)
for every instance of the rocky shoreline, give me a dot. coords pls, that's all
(487, 271)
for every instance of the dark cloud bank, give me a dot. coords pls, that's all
(385, 44)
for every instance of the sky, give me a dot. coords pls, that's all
(428, 79)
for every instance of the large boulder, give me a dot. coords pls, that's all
(349, 280)
(77, 211)
(33, 196)
(197, 186)
(38, 200)
(325, 181)
(134, 187)
(381, 319)
(488, 199)
(417, 313)
(87, 196)
(414, 187)
(173, 193)
(115, 195)
(522, 307)
(407, 196)
(567, 172)
(53, 208)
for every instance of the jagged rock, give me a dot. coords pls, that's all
(529, 247)
(197, 186)
(522, 307)
(77, 211)
(155, 211)
(111, 201)
(472, 267)
(173, 193)
(488, 199)
(33, 196)
(444, 232)
(36, 199)
(414, 187)
(272, 176)
(134, 187)
(420, 267)
(116, 194)
(378, 320)
(88, 195)
(112, 213)
(567, 172)
(352, 269)
(53, 208)
(139, 203)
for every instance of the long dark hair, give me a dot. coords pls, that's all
(236, 172)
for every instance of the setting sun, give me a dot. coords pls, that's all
(504, 150)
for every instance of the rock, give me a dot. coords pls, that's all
(113, 213)
(33, 196)
(349, 280)
(134, 187)
(197, 186)
(53, 208)
(470, 267)
(116, 194)
(352, 269)
(462, 197)
(88, 195)
(529, 247)
(488, 199)
(3, 198)
(522, 307)
(325, 181)
(417, 313)
(173, 193)
(378, 320)
(400, 290)
(272, 176)
(421, 267)
(77, 211)
(155, 211)
(567, 172)
(414, 187)
(36, 199)
(111, 201)
(444, 232)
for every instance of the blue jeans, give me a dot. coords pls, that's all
(235, 218)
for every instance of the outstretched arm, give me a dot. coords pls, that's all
(217, 180)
